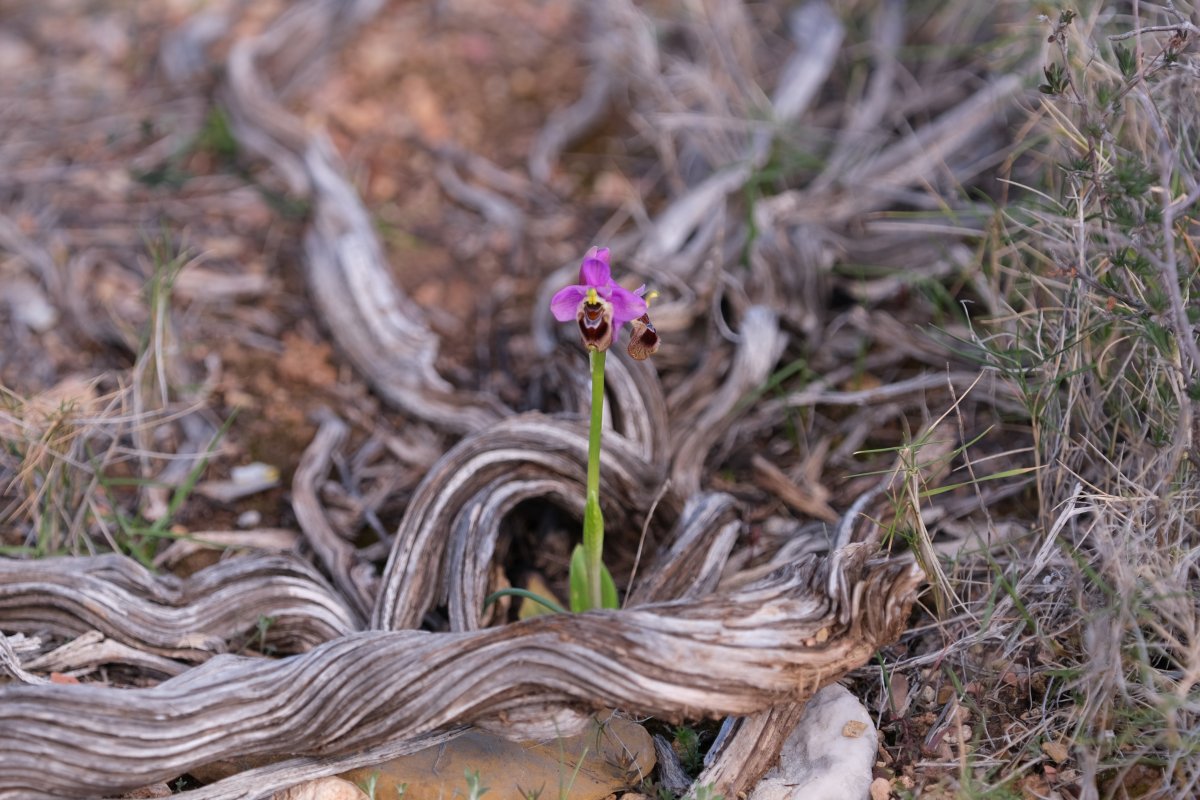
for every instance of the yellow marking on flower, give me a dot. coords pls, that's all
(592, 297)
(650, 298)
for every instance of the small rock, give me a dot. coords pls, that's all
(243, 482)
(853, 729)
(818, 764)
(322, 789)
(881, 789)
(29, 304)
(1057, 752)
(604, 759)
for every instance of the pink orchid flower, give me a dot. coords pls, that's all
(597, 302)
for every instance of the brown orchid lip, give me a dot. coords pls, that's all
(595, 324)
(643, 338)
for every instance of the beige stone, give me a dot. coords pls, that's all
(1057, 752)
(607, 758)
(881, 789)
(322, 789)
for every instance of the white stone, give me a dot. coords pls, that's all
(825, 758)
(29, 304)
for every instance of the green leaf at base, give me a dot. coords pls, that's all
(579, 595)
(528, 595)
(608, 589)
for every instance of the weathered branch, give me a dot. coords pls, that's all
(381, 331)
(778, 640)
(527, 448)
(759, 349)
(354, 579)
(189, 619)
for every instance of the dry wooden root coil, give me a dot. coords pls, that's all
(778, 640)
(679, 652)
(381, 331)
(189, 619)
(453, 496)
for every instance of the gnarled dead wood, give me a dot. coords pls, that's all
(92, 649)
(476, 528)
(381, 331)
(523, 448)
(750, 749)
(634, 401)
(700, 546)
(10, 661)
(778, 640)
(639, 408)
(760, 346)
(818, 32)
(188, 619)
(353, 577)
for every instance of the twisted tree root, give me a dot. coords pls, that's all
(778, 640)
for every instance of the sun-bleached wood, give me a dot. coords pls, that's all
(189, 619)
(531, 446)
(776, 641)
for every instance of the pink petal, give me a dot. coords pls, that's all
(594, 271)
(626, 306)
(566, 302)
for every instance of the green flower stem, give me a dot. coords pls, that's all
(593, 521)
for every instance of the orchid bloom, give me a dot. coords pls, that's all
(600, 306)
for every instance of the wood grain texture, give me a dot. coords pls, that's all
(751, 749)
(699, 546)
(528, 447)
(778, 640)
(354, 578)
(352, 697)
(761, 344)
(188, 619)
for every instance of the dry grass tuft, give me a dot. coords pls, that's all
(1082, 633)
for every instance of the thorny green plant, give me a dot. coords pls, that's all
(1093, 277)
(687, 745)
